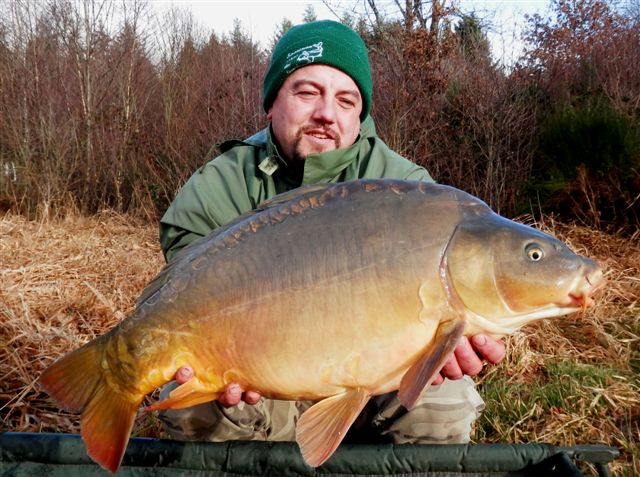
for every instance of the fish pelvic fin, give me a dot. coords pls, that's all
(323, 426)
(77, 382)
(188, 394)
(422, 373)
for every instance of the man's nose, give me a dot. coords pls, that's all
(325, 111)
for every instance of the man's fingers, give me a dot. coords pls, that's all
(184, 374)
(451, 369)
(231, 396)
(468, 361)
(490, 349)
(251, 397)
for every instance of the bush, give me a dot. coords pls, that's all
(589, 164)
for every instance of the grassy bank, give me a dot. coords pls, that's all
(570, 380)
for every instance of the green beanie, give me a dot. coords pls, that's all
(322, 42)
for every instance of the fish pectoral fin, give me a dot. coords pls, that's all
(323, 426)
(186, 395)
(424, 371)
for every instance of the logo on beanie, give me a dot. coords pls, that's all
(304, 55)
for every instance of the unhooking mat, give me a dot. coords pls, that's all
(63, 455)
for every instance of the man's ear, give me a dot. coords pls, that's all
(269, 113)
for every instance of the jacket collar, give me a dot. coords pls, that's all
(318, 168)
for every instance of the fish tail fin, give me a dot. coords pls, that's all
(106, 425)
(77, 382)
(73, 379)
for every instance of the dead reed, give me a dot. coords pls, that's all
(570, 380)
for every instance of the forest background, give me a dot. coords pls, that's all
(103, 117)
(98, 110)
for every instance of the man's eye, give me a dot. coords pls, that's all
(306, 93)
(347, 103)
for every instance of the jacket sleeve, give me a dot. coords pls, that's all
(214, 195)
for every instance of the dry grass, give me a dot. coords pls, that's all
(62, 283)
(569, 380)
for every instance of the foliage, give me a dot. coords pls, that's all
(281, 29)
(590, 165)
(589, 148)
(587, 48)
(473, 40)
(309, 14)
(97, 109)
(453, 111)
(98, 117)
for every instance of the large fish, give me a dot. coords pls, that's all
(333, 293)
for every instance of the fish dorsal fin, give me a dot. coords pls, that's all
(423, 372)
(323, 426)
(185, 256)
(194, 249)
(292, 194)
(156, 284)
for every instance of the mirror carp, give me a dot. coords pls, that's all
(332, 293)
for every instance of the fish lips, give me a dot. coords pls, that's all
(593, 282)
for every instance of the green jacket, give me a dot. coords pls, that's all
(251, 171)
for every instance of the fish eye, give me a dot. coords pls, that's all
(535, 252)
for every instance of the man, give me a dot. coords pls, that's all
(317, 95)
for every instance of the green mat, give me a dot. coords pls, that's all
(63, 455)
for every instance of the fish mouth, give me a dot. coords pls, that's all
(582, 297)
(578, 299)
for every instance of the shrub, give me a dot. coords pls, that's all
(589, 165)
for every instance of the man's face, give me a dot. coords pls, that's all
(317, 109)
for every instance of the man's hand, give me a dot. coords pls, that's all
(468, 356)
(233, 393)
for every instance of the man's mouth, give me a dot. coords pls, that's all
(322, 135)
(316, 139)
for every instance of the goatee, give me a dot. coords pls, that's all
(297, 155)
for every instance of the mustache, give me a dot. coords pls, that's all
(327, 130)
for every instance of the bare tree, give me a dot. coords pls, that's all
(413, 13)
